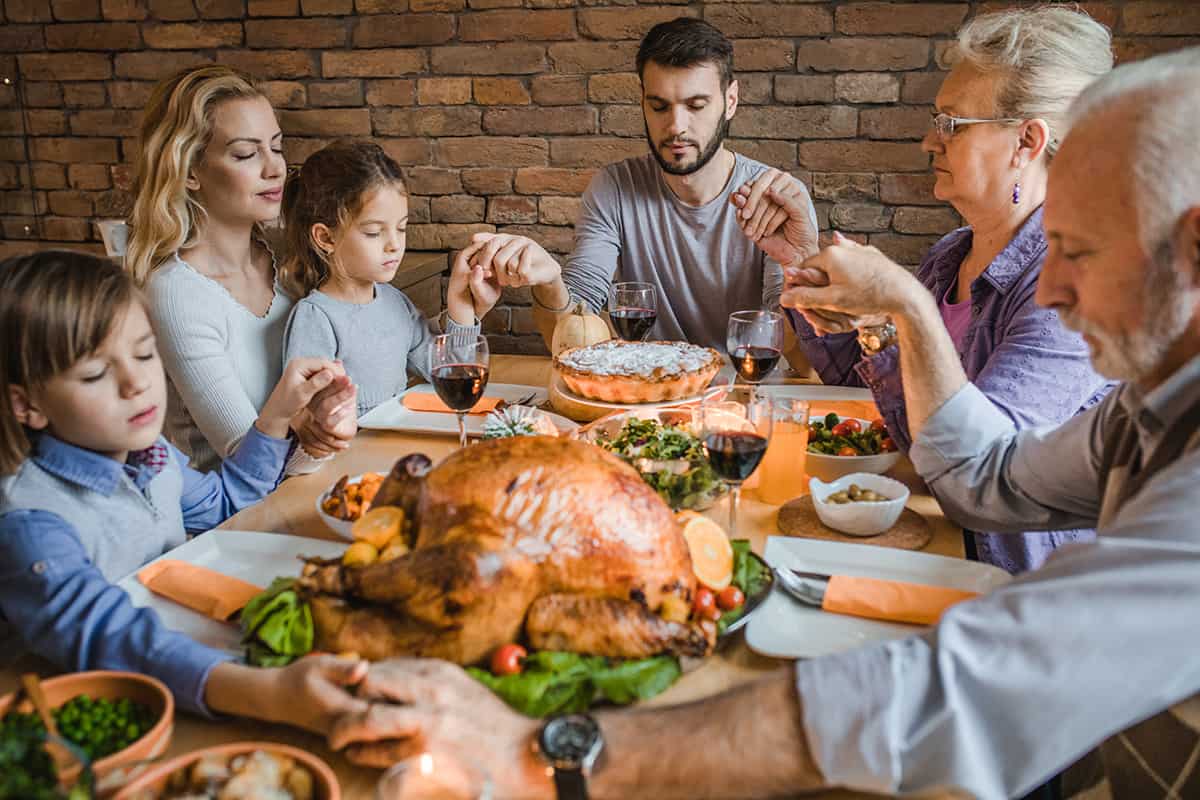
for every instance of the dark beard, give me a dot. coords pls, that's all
(706, 155)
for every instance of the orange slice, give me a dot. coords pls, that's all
(378, 526)
(712, 555)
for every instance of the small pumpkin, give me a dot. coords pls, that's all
(580, 328)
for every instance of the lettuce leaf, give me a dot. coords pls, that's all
(749, 575)
(277, 626)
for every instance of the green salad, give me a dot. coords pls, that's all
(670, 459)
(27, 771)
(845, 436)
(750, 575)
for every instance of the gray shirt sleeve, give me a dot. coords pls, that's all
(309, 334)
(590, 269)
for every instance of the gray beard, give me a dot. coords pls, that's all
(706, 155)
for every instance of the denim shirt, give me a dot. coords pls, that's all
(1018, 353)
(58, 570)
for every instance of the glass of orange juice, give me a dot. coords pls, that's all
(782, 471)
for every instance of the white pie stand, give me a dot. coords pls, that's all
(581, 409)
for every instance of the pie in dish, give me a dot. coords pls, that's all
(637, 372)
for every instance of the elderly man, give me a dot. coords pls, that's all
(1099, 645)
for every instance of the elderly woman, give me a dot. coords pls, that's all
(998, 120)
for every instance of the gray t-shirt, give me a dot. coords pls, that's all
(634, 228)
(378, 342)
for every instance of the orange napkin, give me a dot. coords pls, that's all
(421, 401)
(891, 600)
(199, 588)
(859, 409)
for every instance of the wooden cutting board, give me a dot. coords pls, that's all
(798, 518)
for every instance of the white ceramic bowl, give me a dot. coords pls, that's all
(339, 526)
(862, 518)
(830, 468)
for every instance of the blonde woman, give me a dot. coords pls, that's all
(210, 174)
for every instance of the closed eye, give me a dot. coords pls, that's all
(95, 377)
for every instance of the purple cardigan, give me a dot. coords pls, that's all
(1018, 353)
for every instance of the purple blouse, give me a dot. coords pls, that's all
(1018, 353)
(956, 316)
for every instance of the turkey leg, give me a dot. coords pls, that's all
(606, 626)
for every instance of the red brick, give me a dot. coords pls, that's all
(543, 180)
(184, 36)
(23, 203)
(391, 92)
(627, 23)
(403, 30)
(520, 121)
(298, 33)
(488, 151)
(84, 95)
(867, 87)
(507, 26)
(755, 88)
(40, 94)
(221, 9)
(921, 19)
(12, 148)
(152, 66)
(285, 94)
(495, 59)
(852, 156)
(408, 151)
(11, 177)
(273, 8)
(622, 87)
(19, 227)
(482, 5)
(1160, 18)
(172, 10)
(860, 217)
(75, 10)
(105, 122)
(380, 6)
(898, 122)
(554, 3)
(371, 63)
(443, 91)
(49, 176)
(559, 90)
(340, 122)
(926, 220)
(501, 92)
(433, 180)
(18, 38)
(335, 93)
(39, 122)
(1104, 12)
(319, 8)
(559, 210)
(113, 203)
(88, 176)
(763, 54)
(862, 55)
(122, 176)
(908, 250)
(27, 11)
(921, 87)
(512, 210)
(73, 151)
(803, 122)
(437, 5)
(488, 180)
(123, 10)
(803, 89)
(445, 236)
(444, 121)
(296, 150)
(65, 66)
(418, 209)
(271, 63)
(589, 57)
(65, 229)
(622, 121)
(456, 208)
(555, 240)
(495, 321)
(593, 151)
(779, 154)
(516, 296)
(845, 187)
(70, 204)
(754, 19)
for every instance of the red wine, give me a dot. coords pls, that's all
(460, 385)
(633, 324)
(735, 456)
(755, 363)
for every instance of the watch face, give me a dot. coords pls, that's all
(571, 741)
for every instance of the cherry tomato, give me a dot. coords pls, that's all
(730, 598)
(705, 603)
(877, 425)
(887, 445)
(507, 659)
(847, 451)
(847, 427)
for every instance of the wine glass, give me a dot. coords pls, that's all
(736, 429)
(458, 367)
(430, 776)
(754, 340)
(633, 308)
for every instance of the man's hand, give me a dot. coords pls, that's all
(473, 289)
(420, 705)
(773, 212)
(855, 281)
(513, 260)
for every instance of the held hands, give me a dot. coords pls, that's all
(773, 212)
(328, 423)
(304, 380)
(491, 262)
(315, 691)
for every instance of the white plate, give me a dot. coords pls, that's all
(393, 416)
(817, 392)
(784, 628)
(258, 558)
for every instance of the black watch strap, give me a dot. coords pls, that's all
(569, 783)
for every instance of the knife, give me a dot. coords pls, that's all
(872, 598)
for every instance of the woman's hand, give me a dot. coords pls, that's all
(474, 289)
(773, 212)
(330, 421)
(855, 281)
(514, 260)
(302, 380)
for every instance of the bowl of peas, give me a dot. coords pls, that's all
(117, 720)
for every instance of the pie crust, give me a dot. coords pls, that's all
(637, 372)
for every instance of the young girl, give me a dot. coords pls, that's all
(91, 491)
(345, 214)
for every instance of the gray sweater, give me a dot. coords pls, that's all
(378, 342)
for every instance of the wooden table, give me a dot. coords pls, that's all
(291, 509)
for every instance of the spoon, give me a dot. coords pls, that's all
(33, 688)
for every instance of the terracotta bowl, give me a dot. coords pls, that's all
(154, 781)
(112, 770)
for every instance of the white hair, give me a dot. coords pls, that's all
(1046, 56)
(1160, 98)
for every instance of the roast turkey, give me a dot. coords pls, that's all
(550, 541)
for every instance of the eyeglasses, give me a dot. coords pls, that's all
(945, 125)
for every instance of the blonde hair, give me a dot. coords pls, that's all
(56, 307)
(177, 127)
(1046, 56)
(330, 189)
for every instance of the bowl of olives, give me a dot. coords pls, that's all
(860, 504)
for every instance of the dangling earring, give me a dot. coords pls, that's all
(1016, 192)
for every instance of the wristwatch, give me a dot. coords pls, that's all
(570, 744)
(874, 339)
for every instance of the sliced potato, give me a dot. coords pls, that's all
(360, 554)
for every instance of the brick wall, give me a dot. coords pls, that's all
(501, 110)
